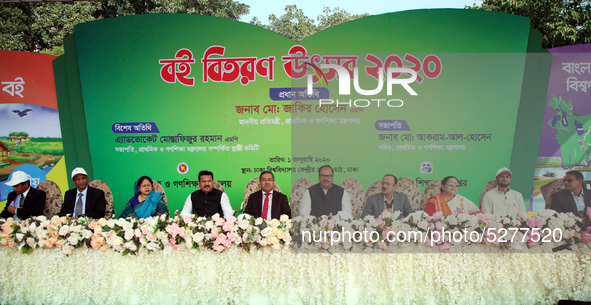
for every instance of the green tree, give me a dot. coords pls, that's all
(41, 27)
(561, 22)
(295, 25)
(335, 17)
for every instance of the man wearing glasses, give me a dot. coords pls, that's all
(326, 198)
(502, 200)
(267, 203)
(575, 197)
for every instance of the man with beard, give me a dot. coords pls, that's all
(326, 198)
(502, 200)
(388, 200)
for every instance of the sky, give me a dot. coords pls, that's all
(263, 8)
(41, 122)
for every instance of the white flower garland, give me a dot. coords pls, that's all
(242, 260)
(190, 276)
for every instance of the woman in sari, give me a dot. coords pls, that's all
(448, 201)
(146, 202)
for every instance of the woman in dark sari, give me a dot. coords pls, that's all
(146, 202)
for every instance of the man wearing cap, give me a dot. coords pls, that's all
(502, 200)
(24, 201)
(83, 200)
(574, 197)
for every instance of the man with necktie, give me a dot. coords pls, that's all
(25, 201)
(267, 203)
(83, 200)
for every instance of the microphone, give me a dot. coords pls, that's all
(562, 247)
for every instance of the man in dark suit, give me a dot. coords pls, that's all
(83, 200)
(388, 199)
(267, 203)
(575, 197)
(24, 201)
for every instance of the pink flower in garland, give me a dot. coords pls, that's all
(533, 222)
(218, 248)
(385, 214)
(214, 232)
(446, 247)
(228, 226)
(173, 244)
(218, 220)
(176, 230)
(531, 243)
(437, 215)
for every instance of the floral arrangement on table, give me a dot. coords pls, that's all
(502, 233)
(130, 235)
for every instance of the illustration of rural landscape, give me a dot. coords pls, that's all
(19, 148)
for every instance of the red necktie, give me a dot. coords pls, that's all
(266, 206)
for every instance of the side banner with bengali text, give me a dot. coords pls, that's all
(564, 143)
(30, 134)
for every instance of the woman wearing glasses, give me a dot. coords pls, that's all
(146, 202)
(448, 201)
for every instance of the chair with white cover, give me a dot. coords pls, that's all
(489, 186)
(53, 201)
(355, 191)
(556, 186)
(432, 189)
(157, 187)
(101, 185)
(297, 192)
(409, 187)
(372, 189)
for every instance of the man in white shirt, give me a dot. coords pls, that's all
(325, 197)
(207, 200)
(502, 200)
